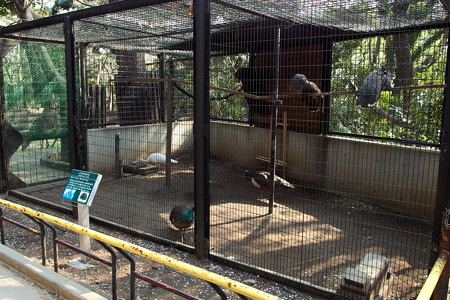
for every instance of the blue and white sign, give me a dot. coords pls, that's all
(81, 187)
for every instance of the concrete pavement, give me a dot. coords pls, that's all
(15, 286)
(15, 280)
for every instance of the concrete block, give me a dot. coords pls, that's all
(366, 278)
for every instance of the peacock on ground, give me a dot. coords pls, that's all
(261, 180)
(182, 217)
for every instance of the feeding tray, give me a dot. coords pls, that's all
(141, 170)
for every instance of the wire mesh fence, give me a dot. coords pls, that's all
(324, 134)
(36, 109)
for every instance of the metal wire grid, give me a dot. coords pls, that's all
(329, 221)
(348, 191)
(135, 126)
(360, 16)
(35, 107)
(418, 78)
(173, 20)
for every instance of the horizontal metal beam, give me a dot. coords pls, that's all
(81, 14)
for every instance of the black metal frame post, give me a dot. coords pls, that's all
(72, 111)
(72, 114)
(85, 114)
(273, 151)
(201, 11)
(4, 184)
(440, 233)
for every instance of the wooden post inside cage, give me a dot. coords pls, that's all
(167, 96)
(169, 119)
(274, 121)
(278, 162)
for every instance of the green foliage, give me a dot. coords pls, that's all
(222, 105)
(8, 13)
(29, 78)
(222, 76)
(415, 114)
(6, 7)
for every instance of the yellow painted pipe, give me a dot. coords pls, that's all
(227, 283)
(433, 277)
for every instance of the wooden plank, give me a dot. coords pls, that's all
(266, 159)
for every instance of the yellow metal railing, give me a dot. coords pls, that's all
(433, 277)
(206, 275)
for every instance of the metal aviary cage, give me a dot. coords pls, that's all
(306, 134)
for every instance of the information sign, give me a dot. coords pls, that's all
(81, 187)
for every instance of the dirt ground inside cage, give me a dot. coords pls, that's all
(312, 235)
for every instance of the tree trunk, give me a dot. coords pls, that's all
(404, 72)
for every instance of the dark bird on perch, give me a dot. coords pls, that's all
(372, 86)
(182, 217)
(301, 85)
(61, 5)
(261, 180)
(250, 83)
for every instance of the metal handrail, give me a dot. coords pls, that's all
(433, 277)
(40, 232)
(241, 289)
(110, 263)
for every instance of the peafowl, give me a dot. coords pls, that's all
(261, 180)
(182, 217)
(158, 159)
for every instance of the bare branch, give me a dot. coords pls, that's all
(390, 118)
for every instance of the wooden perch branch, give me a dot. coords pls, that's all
(430, 86)
(175, 81)
(388, 117)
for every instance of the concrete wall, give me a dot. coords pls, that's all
(400, 178)
(136, 143)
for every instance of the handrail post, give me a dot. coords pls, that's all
(42, 236)
(201, 127)
(2, 229)
(440, 292)
(430, 284)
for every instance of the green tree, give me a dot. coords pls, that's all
(415, 114)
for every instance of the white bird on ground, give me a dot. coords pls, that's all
(158, 159)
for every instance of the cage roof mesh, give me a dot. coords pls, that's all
(163, 25)
(354, 15)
